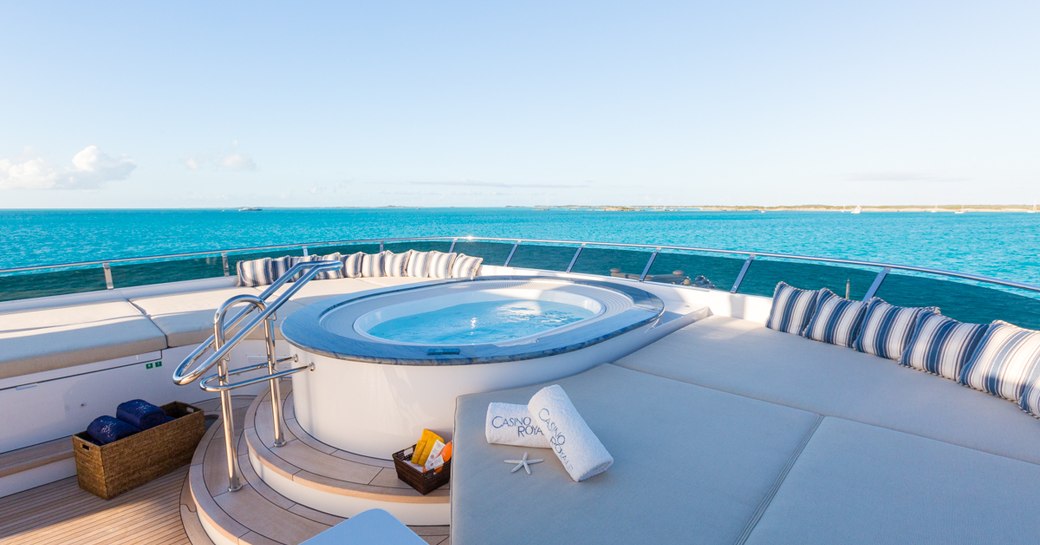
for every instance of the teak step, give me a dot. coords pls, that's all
(342, 483)
(257, 514)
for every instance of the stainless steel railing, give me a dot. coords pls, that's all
(884, 268)
(221, 356)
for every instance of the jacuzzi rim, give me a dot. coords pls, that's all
(300, 331)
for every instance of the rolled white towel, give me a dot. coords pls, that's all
(579, 450)
(510, 424)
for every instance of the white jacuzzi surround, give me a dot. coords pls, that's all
(376, 403)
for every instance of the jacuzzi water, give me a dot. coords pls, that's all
(480, 322)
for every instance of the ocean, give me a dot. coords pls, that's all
(1004, 245)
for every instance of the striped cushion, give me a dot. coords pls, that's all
(440, 264)
(278, 266)
(887, 328)
(352, 264)
(333, 274)
(466, 266)
(1004, 361)
(792, 308)
(836, 319)
(941, 345)
(253, 272)
(324, 275)
(296, 260)
(418, 265)
(395, 264)
(1030, 401)
(372, 265)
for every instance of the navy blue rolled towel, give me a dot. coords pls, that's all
(105, 429)
(140, 413)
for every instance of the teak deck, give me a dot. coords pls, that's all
(163, 512)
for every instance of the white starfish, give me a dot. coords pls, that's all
(523, 463)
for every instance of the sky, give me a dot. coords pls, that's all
(207, 104)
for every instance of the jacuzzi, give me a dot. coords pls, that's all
(389, 363)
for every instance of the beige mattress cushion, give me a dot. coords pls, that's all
(856, 483)
(691, 465)
(745, 358)
(187, 318)
(51, 338)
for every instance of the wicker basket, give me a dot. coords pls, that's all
(109, 470)
(423, 482)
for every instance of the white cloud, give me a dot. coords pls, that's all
(232, 160)
(238, 161)
(32, 173)
(90, 169)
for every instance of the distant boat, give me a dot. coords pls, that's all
(934, 209)
(961, 211)
(857, 210)
(1033, 211)
(249, 209)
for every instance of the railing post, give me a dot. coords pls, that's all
(575, 258)
(276, 388)
(743, 271)
(511, 252)
(305, 253)
(380, 245)
(649, 263)
(876, 284)
(227, 412)
(108, 275)
(452, 247)
(224, 260)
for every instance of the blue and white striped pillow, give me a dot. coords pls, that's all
(253, 272)
(466, 266)
(352, 264)
(1030, 401)
(887, 328)
(440, 264)
(323, 275)
(418, 265)
(333, 274)
(941, 345)
(278, 266)
(836, 319)
(792, 308)
(1004, 362)
(396, 264)
(372, 265)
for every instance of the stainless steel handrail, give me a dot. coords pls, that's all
(221, 356)
(312, 267)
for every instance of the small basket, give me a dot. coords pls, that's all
(422, 482)
(109, 470)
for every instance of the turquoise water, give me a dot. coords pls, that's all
(1004, 245)
(481, 322)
